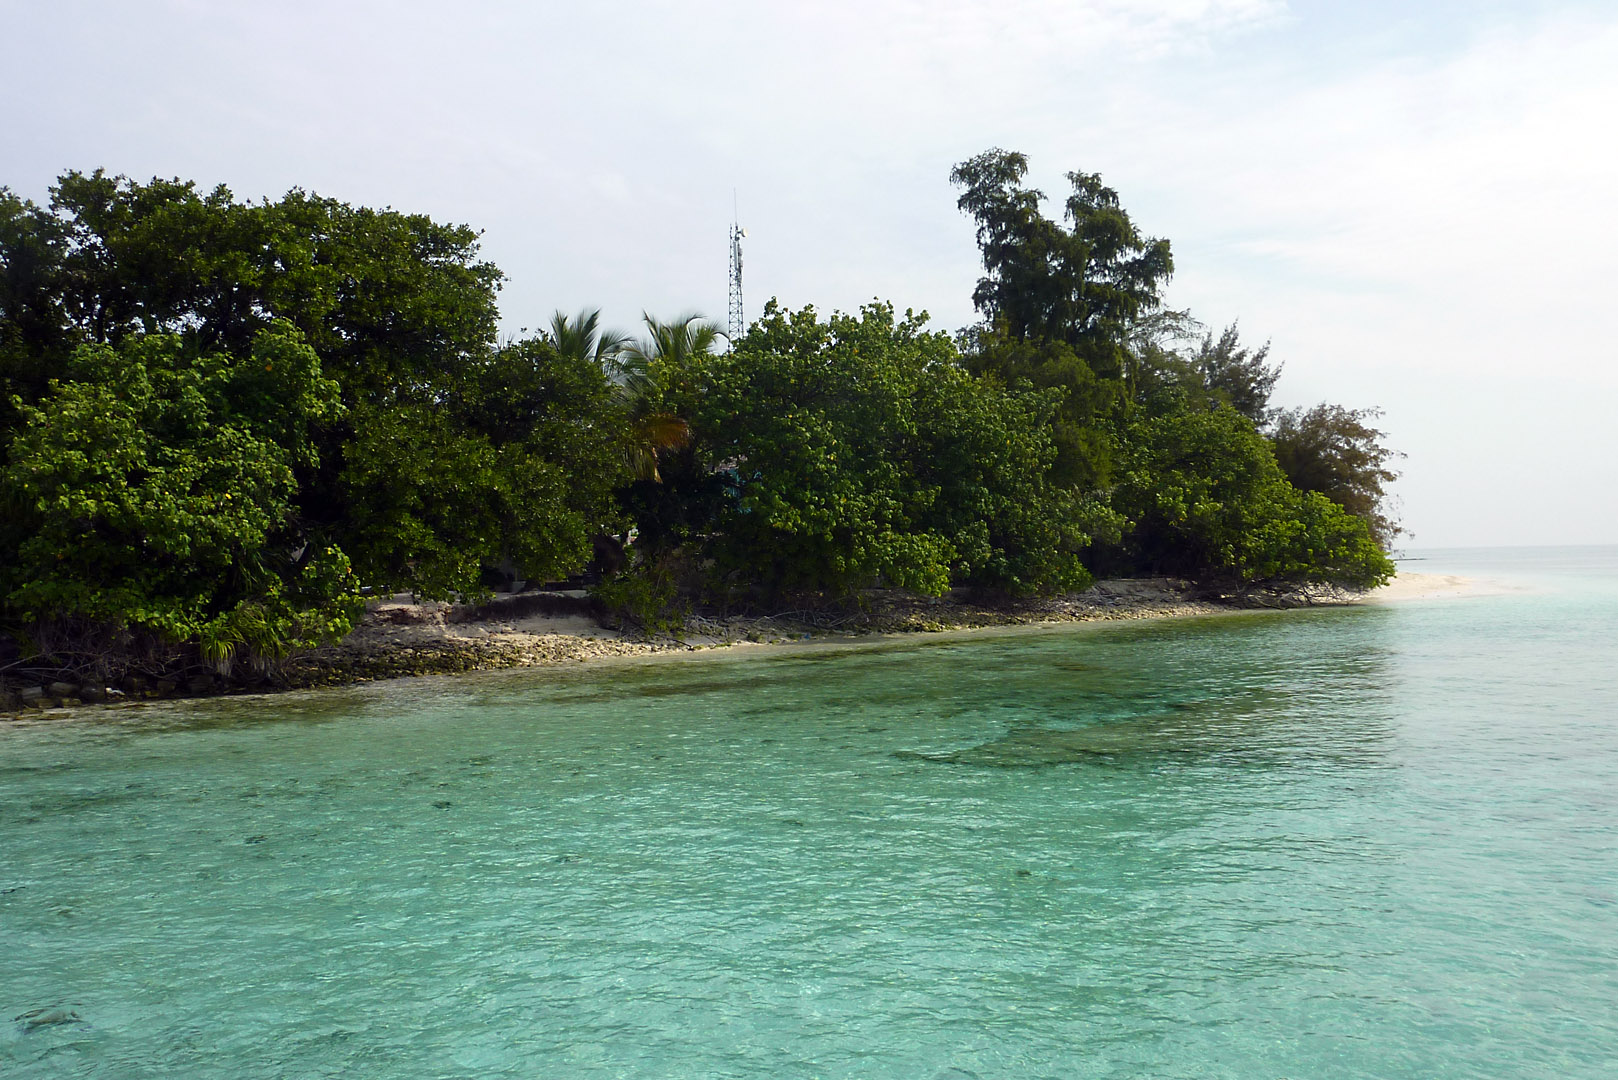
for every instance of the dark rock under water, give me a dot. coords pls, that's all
(48, 1017)
(1177, 732)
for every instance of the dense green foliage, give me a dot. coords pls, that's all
(516, 466)
(1207, 500)
(1172, 440)
(859, 452)
(1334, 451)
(156, 490)
(1059, 302)
(222, 421)
(1083, 285)
(1237, 375)
(436, 457)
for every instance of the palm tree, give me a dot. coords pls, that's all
(630, 365)
(685, 338)
(581, 338)
(668, 344)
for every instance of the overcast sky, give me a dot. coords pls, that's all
(1412, 201)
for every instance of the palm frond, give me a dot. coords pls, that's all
(662, 431)
(581, 338)
(686, 337)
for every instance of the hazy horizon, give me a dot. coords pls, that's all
(1411, 205)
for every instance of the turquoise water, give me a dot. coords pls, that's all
(1369, 842)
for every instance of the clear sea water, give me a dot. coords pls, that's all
(1369, 842)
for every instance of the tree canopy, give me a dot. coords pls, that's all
(1334, 451)
(859, 452)
(1084, 284)
(437, 452)
(221, 421)
(1206, 499)
(1181, 443)
(157, 490)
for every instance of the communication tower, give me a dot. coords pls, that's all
(738, 319)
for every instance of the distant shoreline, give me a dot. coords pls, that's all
(400, 639)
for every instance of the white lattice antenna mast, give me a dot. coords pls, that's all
(738, 317)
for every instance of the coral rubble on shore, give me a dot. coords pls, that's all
(400, 638)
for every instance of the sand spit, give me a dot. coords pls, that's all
(1410, 586)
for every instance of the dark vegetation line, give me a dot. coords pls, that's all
(222, 422)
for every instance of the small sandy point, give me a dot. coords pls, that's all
(1412, 586)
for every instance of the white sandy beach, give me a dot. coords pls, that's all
(1411, 586)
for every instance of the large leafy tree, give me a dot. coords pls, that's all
(515, 469)
(1335, 451)
(398, 307)
(393, 303)
(450, 453)
(1206, 500)
(1060, 301)
(155, 490)
(1084, 283)
(859, 452)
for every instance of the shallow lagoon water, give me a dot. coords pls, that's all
(1368, 842)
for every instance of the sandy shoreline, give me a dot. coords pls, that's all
(399, 639)
(1413, 586)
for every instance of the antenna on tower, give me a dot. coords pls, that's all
(738, 319)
